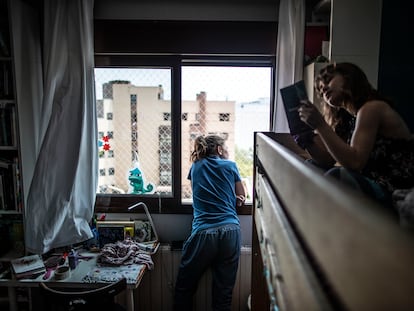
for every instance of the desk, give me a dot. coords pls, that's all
(86, 275)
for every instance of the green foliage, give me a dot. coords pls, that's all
(244, 160)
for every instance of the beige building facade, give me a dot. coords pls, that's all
(137, 120)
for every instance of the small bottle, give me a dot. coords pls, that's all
(72, 258)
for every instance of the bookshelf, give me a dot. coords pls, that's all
(11, 206)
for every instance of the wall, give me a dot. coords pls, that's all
(172, 227)
(395, 77)
(355, 34)
(225, 10)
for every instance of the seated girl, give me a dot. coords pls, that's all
(359, 135)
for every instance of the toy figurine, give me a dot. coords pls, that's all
(137, 182)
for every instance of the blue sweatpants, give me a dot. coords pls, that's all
(215, 248)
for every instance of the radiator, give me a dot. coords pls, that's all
(156, 290)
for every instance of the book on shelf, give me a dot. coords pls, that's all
(7, 125)
(17, 185)
(2, 202)
(291, 96)
(28, 266)
(6, 78)
(4, 45)
(10, 185)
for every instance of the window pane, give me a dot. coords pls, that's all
(232, 102)
(134, 134)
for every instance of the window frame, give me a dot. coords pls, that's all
(169, 204)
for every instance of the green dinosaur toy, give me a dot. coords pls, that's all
(137, 182)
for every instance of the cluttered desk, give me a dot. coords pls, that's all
(89, 270)
(124, 251)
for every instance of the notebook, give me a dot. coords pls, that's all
(291, 96)
(28, 266)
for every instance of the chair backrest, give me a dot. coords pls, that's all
(101, 298)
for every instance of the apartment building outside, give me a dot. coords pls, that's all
(137, 121)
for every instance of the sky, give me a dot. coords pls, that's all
(220, 83)
(226, 83)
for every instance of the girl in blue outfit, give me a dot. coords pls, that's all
(215, 237)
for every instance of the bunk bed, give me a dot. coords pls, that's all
(318, 245)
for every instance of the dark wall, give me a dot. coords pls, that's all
(185, 37)
(396, 68)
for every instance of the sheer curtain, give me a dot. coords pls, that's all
(63, 181)
(289, 55)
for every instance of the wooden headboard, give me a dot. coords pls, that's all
(318, 245)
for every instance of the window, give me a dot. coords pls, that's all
(99, 109)
(224, 117)
(166, 116)
(234, 53)
(133, 99)
(234, 103)
(146, 157)
(143, 139)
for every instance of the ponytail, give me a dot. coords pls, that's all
(206, 146)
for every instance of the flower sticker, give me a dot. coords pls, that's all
(103, 145)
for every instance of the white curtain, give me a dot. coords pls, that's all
(289, 55)
(61, 197)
